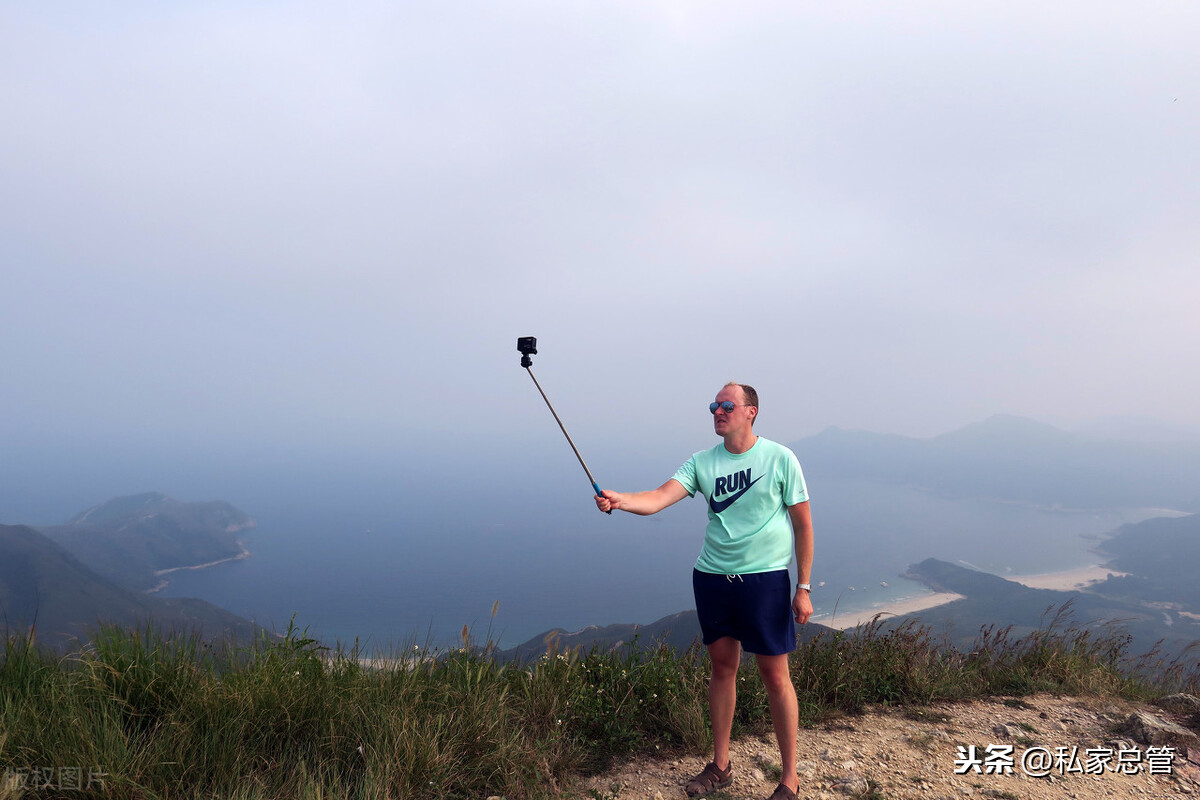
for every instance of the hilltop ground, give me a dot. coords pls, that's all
(913, 753)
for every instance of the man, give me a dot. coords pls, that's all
(758, 516)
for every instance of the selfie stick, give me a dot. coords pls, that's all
(527, 346)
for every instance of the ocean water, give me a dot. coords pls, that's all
(360, 560)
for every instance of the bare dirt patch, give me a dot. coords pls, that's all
(915, 753)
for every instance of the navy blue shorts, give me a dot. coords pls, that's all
(755, 609)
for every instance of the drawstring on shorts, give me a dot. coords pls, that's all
(731, 577)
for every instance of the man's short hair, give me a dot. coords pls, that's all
(748, 393)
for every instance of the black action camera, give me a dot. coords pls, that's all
(527, 346)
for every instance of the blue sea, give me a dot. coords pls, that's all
(356, 559)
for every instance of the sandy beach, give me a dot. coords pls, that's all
(158, 573)
(911, 605)
(1068, 581)
(239, 557)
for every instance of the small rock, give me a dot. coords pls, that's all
(852, 784)
(850, 766)
(757, 775)
(1007, 730)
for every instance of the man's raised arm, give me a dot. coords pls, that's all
(642, 503)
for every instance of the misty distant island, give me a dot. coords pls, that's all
(136, 540)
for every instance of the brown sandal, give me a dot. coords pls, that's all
(782, 792)
(709, 780)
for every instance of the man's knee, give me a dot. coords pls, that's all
(725, 655)
(775, 674)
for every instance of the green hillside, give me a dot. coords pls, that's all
(42, 584)
(1161, 555)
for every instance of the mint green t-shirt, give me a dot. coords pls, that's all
(748, 494)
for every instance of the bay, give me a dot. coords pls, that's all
(348, 560)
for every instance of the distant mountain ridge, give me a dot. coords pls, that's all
(1017, 459)
(678, 631)
(132, 539)
(97, 567)
(122, 510)
(1160, 556)
(44, 585)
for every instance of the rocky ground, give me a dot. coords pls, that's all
(1038, 747)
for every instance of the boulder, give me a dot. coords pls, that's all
(1146, 728)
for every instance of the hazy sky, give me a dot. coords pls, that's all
(311, 223)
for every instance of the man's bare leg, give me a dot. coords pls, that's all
(725, 653)
(785, 712)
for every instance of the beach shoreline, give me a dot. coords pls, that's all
(1067, 580)
(897, 608)
(163, 584)
(1070, 580)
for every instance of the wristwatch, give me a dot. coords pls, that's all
(805, 586)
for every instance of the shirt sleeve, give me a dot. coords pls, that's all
(795, 491)
(686, 475)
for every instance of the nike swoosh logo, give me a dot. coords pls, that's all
(718, 506)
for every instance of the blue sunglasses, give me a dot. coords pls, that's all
(728, 406)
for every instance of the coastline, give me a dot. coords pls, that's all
(897, 608)
(1069, 580)
(162, 584)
